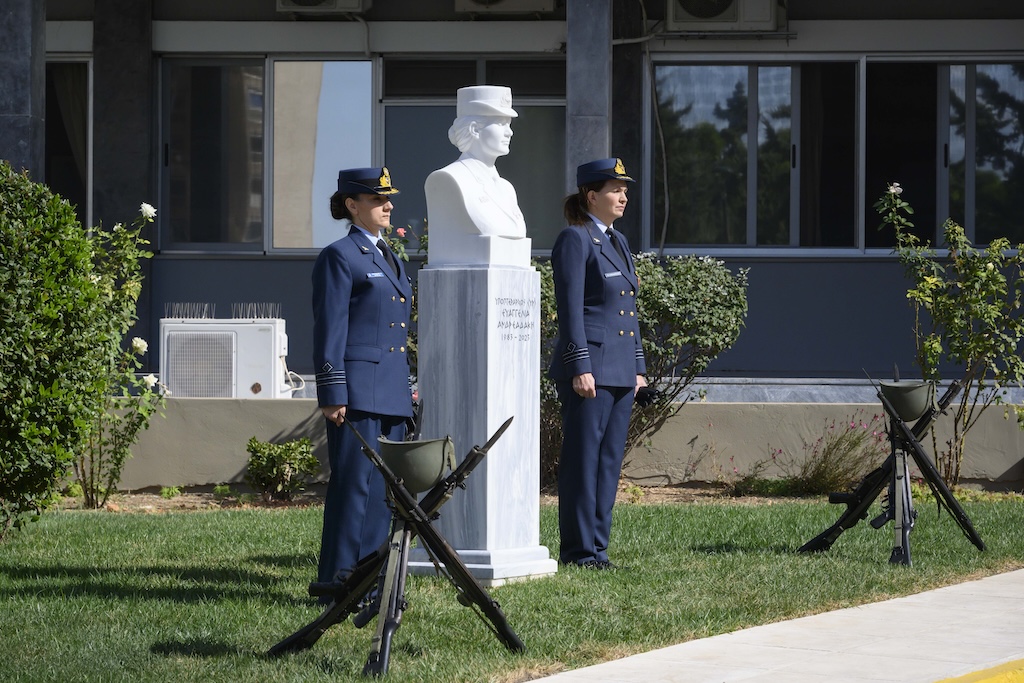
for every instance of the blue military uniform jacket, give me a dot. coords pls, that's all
(361, 313)
(595, 290)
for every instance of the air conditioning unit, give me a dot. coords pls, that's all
(504, 6)
(323, 6)
(224, 358)
(722, 15)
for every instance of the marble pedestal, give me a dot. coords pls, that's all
(478, 364)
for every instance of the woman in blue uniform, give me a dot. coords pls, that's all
(598, 362)
(361, 305)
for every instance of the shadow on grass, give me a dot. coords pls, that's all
(206, 648)
(147, 583)
(286, 561)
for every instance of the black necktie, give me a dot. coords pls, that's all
(617, 244)
(388, 256)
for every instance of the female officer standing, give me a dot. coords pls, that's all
(361, 305)
(598, 362)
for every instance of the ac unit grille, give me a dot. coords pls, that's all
(322, 6)
(723, 15)
(723, 10)
(201, 364)
(505, 6)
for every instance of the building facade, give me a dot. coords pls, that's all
(761, 133)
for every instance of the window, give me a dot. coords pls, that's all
(951, 135)
(318, 116)
(419, 99)
(213, 155)
(986, 150)
(67, 134)
(704, 123)
(722, 189)
(902, 115)
(322, 123)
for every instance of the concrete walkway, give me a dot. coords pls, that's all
(970, 628)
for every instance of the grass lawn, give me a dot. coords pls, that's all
(200, 596)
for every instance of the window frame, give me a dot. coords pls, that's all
(752, 60)
(376, 136)
(164, 242)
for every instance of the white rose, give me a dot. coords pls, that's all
(139, 345)
(147, 211)
(149, 380)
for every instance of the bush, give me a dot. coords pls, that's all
(836, 460)
(169, 492)
(691, 309)
(54, 342)
(278, 471)
(128, 400)
(967, 311)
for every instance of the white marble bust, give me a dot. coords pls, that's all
(472, 212)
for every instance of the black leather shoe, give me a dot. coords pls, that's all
(608, 564)
(600, 565)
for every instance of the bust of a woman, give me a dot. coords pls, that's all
(468, 198)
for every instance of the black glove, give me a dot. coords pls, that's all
(645, 396)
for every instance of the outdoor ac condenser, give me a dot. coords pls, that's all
(211, 358)
(723, 15)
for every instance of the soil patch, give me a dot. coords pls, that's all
(151, 502)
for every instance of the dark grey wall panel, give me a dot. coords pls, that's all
(823, 319)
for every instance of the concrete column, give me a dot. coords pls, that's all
(588, 88)
(123, 125)
(23, 85)
(628, 142)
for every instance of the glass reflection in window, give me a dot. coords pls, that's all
(214, 167)
(703, 117)
(323, 115)
(999, 152)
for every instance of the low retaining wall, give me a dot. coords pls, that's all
(201, 442)
(711, 439)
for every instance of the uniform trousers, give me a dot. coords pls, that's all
(593, 444)
(357, 519)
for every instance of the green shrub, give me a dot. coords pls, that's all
(169, 492)
(691, 309)
(54, 344)
(129, 400)
(278, 471)
(222, 491)
(69, 396)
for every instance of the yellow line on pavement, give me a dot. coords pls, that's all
(1011, 672)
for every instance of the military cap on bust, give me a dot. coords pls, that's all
(484, 100)
(601, 170)
(375, 180)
